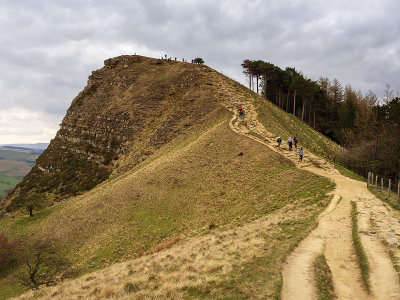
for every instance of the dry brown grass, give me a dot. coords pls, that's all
(160, 247)
(180, 190)
(194, 263)
(108, 292)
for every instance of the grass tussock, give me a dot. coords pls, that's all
(323, 279)
(212, 225)
(108, 292)
(160, 247)
(360, 253)
(395, 261)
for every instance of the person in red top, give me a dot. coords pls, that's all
(241, 112)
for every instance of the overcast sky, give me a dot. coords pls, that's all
(48, 48)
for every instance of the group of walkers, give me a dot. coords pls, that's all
(291, 141)
(169, 59)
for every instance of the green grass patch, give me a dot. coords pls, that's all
(18, 155)
(361, 256)
(395, 261)
(11, 290)
(261, 277)
(391, 199)
(323, 279)
(8, 182)
(22, 225)
(348, 173)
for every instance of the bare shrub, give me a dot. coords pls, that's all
(8, 252)
(43, 264)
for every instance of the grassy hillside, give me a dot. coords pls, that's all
(228, 198)
(130, 108)
(208, 175)
(284, 124)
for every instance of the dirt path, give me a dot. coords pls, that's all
(333, 236)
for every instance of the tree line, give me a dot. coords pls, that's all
(368, 127)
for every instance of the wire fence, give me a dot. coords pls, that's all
(387, 187)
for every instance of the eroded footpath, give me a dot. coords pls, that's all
(333, 235)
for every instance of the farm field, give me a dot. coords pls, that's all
(14, 165)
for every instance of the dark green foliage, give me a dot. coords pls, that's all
(30, 201)
(72, 173)
(370, 131)
(198, 60)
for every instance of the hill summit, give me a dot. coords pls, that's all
(130, 108)
(167, 160)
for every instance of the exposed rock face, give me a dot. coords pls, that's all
(130, 108)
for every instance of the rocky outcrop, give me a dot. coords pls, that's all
(129, 109)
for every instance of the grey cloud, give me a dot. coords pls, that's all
(48, 48)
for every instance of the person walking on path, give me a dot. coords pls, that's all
(279, 141)
(241, 113)
(290, 143)
(301, 154)
(295, 141)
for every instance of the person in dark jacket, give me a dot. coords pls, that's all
(241, 113)
(295, 141)
(279, 141)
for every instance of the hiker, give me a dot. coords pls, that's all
(301, 154)
(290, 143)
(241, 112)
(279, 141)
(295, 141)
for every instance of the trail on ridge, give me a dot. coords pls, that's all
(333, 235)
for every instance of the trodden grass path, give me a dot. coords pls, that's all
(333, 236)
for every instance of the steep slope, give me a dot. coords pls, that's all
(262, 200)
(206, 174)
(131, 107)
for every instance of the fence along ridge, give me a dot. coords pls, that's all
(373, 182)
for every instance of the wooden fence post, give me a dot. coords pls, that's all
(368, 179)
(382, 185)
(398, 192)
(390, 184)
(376, 181)
(372, 179)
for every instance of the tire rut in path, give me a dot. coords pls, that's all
(333, 235)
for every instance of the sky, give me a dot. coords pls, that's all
(48, 48)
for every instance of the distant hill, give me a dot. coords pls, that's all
(37, 148)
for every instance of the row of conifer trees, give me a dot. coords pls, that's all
(368, 127)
